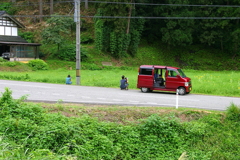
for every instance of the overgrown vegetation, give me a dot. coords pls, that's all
(29, 131)
(224, 83)
(203, 43)
(38, 64)
(59, 131)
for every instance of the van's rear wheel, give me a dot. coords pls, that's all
(144, 90)
(181, 90)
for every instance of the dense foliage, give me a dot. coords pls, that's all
(118, 36)
(38, 64)
(6, 6)
(29, 132)
(57, 30)
(118, 27)
(175, 23)
(205, 27)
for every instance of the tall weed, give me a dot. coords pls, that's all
(233, 113)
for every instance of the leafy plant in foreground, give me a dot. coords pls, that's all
(27, 131)
(233, 113)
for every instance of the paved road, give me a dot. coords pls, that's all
(99, 95)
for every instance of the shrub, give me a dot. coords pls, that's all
(38, 64)
(233, 113)
(28, 36)
(1, 59)
(8, 104)
(11, 64)
(165, 128)
(68, 53)
(86, 38)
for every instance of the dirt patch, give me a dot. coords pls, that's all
(122, 114)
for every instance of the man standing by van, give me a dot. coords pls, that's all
(123, 83)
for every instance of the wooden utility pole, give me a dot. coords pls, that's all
(40, 9)
(78, 40)
(129, 18)
(86, 4)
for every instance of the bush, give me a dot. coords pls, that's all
(68, 53)
(1, 59)
(28, 36)
(86, 38)
(11, 64)
(38, 64)
(233, 113)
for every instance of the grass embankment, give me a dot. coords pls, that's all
(57, 131)
(223, 83)
(212, 71)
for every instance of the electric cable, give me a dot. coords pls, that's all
(122, 17)
(118, 17)
(134, 3)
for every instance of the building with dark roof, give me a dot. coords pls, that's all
(10, 42)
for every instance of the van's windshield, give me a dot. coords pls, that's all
(181, 73)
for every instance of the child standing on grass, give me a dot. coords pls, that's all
(68, 80)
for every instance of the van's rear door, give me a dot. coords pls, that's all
(145, 77)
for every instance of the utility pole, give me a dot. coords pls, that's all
(40, 9)
(78, 40)
(51, 7)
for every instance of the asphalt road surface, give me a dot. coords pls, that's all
(46, 92)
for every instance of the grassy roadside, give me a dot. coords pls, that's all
(70, 131)
(222, 83)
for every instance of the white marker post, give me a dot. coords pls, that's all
(177, 99)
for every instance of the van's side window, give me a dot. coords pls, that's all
(172, 73)
(145, 71)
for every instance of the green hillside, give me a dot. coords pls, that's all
(204, 44)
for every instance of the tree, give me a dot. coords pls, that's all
(57, 31)
(51, 7)
(40, 9)
(86, 4)
(115, 35)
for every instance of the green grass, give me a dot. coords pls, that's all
(76, 131)
(223, 83)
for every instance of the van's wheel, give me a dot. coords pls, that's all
(144, 90)
(181, 90)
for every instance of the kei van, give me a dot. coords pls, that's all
(163, 78)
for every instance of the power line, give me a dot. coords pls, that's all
(155, 4)
(147, 4)
(35, 3)
(124, 17)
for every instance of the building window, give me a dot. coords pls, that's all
(8, 31)
(25, 52)
(8, 27)
(14, 31)
(2, 30)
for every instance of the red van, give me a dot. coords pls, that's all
(163, 78)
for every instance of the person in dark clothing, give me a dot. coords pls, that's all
(123, 83)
